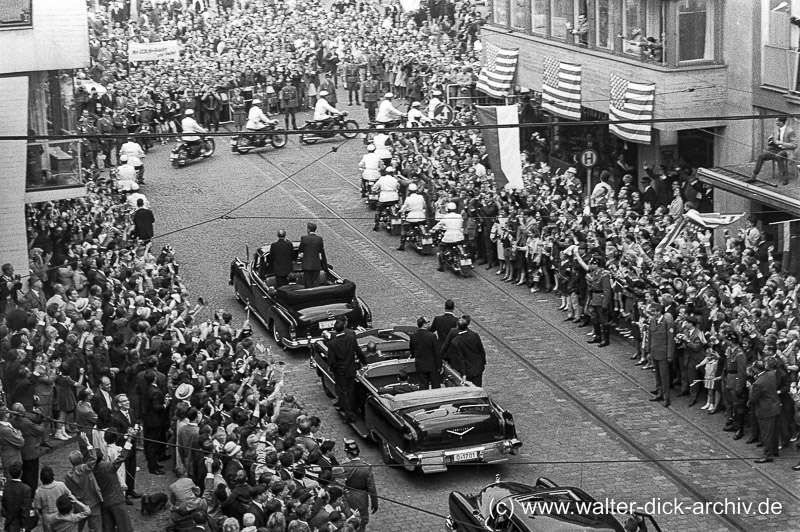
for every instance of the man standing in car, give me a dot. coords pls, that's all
(281, 258)
(312, 252)
(464, 351)
(422, 345)
(343, 350)
(442, 325)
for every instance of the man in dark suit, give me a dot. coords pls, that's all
(141, 385)
(422, 345)
(29, 424)
(102, 399)
(343, 350)
(661, 347)
(442, 325)
(281, 258)
(780, 147)
(767, 407)
(466, 353)
(115, 516)
(123, 421)
(313, 255)
(16, 505)
(155, 420)
(260, 495)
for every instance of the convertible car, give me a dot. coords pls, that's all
(426, 430)
(296, 317)
(516, 507)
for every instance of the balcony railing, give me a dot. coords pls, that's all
(15, 14)
(54, 164)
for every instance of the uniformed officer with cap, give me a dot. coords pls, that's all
(370, 94)
(360, 490)
(600, 296)
(734, 388)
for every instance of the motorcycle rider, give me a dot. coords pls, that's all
(189, 125)
(323, 111)
(135, 154)
(434, 103)
(388, 115)
(452, 224)
(383, 147)
(387, 187)
(126, 174)
(414, 210)
(257, 120)
(415, 117)
(370, 166)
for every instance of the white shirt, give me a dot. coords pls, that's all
(132, 150)
(370, 165)
(323, 110)
(388, 186)
(415, 207)
(387, 112)
(383, 151)
(452, 224)
(134, 198)
(416, 117)
(432, 105)
(256, 119)
(126, 172)
(190, 125)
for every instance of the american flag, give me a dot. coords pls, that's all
(631, 101)
(497, 72)
(561, 89)
(710, 220)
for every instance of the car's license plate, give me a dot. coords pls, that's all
(463, 457)
(466, 262)
(327, 324)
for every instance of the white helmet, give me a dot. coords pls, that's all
(371, 147)
(256, 102)
(415, 104)
(322, 94)
(412, 187)
(388, 95)
(188, 112)
(451, 206)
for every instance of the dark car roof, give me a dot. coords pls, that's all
(343, 292)
(520, 494)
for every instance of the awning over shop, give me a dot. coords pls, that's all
(784, 198)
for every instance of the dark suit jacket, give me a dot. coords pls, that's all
(261, 516)
(137, 403)
(423, 349)
(105, 473)
(154, 413)
(16, 504)
(99, 401)
(313, 251)
(281, 257)
(343, 349)
(466, 354)
(238, 502)
(764, 396)
(441, 325)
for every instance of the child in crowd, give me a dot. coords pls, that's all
(710, 364)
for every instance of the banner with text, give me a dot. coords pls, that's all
(152, 51)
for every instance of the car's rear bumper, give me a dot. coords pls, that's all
(438, 461)
(300, 342)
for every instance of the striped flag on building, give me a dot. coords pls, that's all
(497, 72)
(631, 101)
(710, 220)
(502, 145)
(561, 89)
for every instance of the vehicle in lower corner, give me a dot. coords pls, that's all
(545, 506)
(298, 317)
(426, 430)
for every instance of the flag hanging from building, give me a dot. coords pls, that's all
(561, 89)
(710, 220)
(497, 72)
(502, 144)
(631, 101)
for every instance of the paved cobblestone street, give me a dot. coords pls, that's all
(582, 412)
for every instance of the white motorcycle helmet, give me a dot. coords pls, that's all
(188, 112)
(256, 102)
(451, 207)
(412, 187)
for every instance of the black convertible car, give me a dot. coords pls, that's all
(544, 507)
(296, 318)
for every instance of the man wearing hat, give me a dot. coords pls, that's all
(370, 94)
(370, 166)
(324, 111)
(329, 86)
(360, 490)
(428, 363)
(734, 384)
(388, 189)
(600, 297)
(661, 347)
(434, 102)
(234, 453)
(388, 115)
(415, 116)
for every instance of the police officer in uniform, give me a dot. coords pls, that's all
(351, 79)
(734, 388)
(600, 296)
(359, 484)
(289, 103)
(370, 94)
(414, 210)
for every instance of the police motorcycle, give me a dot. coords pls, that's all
(186, 151)
(329, 128)
(189, 151)
(420, 239)
(391, 220)
(258, 138)
(453, 256)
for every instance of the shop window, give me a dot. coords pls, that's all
(15, 14)
(562, 14)
(520, 14)
(539, 16)
(695, 30)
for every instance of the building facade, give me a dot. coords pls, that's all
(43, 42)
(707, 58)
